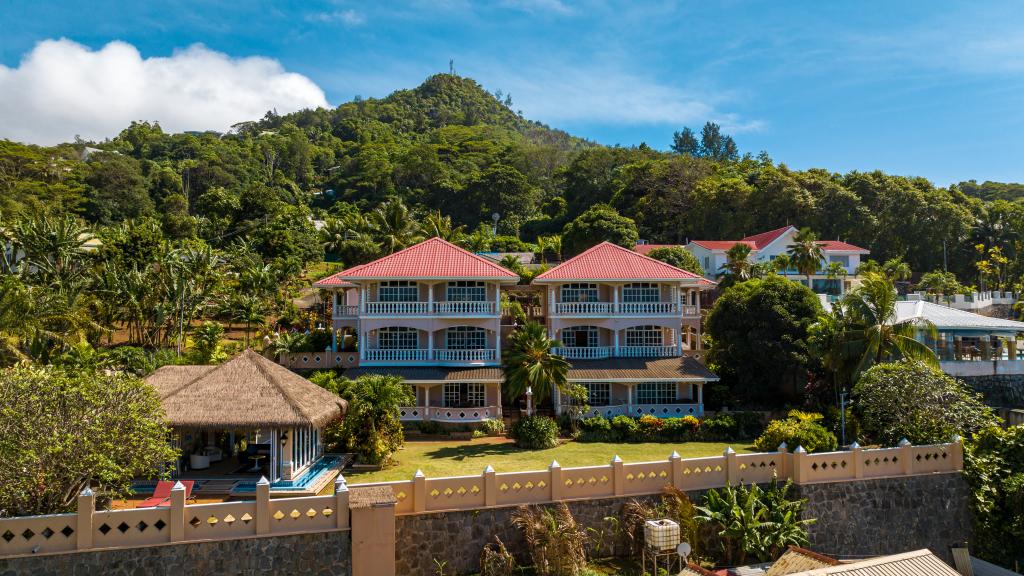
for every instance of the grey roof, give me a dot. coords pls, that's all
(431, 373)
(950, 318)
(613, 369)
(968, 564)
(917, 563)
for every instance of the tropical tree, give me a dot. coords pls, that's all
(530, 363)
(940, 283)
(874, 335)
(87, 428)
(598, 224)
(393, 226)
(737, 267)
(373, 427)
(806, 253)
(437, 226)
(52, 247)
(781, 264)
(18, 323)
(248, 309)
(206, 348)
(679, 257)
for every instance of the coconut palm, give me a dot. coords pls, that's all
(529, 363)
(437, 226)
(393, 226)
(873, 334)
(806, 253)
(16, 318)
(782, 263)
(737, 266)
(248, 309)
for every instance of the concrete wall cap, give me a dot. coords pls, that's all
(262, 482)
(616, 459)
(800, 450)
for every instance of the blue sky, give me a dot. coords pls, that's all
(919, 88)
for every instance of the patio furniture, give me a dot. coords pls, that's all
(256, 462)
(162, 494)
(198, 462)
(214, 453)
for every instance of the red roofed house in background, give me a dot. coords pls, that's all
(630, 326)
(767, 246)
(430, 313)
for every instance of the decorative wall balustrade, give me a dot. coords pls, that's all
(176, 522)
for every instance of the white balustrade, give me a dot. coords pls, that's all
(647, 351)
(583, 353)
(668, 410)
(346, 311)
(465, 414)
(583, 308)
(481, 355)
(690, 311)
(397, 355)
(412, 413)
(648, 308)
(397, 308)
(465, 308)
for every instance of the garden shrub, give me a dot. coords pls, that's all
(596, 429)
(430, 427)
(624, 428)
(493, 426)
(648, 428)
(557, 544)
(799, 429)
(682, 429)
(535, 432)
(994, 468)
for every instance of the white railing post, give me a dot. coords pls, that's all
(797, 461)
(858, 462)
(732, 469)
(177, 528)
(556, 480)
(618, 476)
(83, 520)
(906, 455)
(263, 506)
(419, 491)
(490, 486)
(956, 453)
(341, 502)
(675, 462)
(782, 467)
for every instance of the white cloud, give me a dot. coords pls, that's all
(347, 17)
(556, 6)
(62, 88)
(603, 95)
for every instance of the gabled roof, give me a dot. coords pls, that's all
(918, 563)
(248, 391)
(796, 559)
(434, 258)
(721, 244)
(837, 246)
(608, 261)
(944, 317)
(765, 238)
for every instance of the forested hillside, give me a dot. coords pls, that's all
(449, 146)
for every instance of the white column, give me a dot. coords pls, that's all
(426, 402)
(557, 400)
(334, 338)
(629, 398)
(679, 340)
(551, 300)
(615, 299)
(700, 393)
(430, 344)
(497, 341)
(363, 343)
(362, 299)
(497, 300)
(616, 340)
(430, 298)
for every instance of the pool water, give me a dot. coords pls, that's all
(308, 477)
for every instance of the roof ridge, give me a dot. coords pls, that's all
(814, 555)
(656, 260)
(213, 368)
(435, 240)
(623, 249)
(275, 381)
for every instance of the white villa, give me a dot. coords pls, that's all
(432, 314)
(629, 325)
(968, 344)
(767, 246)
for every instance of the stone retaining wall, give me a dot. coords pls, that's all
(854, 518)
(317, 553)
(1005, 390)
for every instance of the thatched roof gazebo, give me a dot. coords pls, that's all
(280, 414)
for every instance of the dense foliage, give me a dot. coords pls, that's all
(759, 333)
(678, 257)
(535, 432)
(372, 427)
(529, 364)
(994, 466)
(918, 402)
(64, 430)
(798, 429)
(723, 427)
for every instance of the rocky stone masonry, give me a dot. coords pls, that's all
(854, 518)
(888, 515)
(1006, 390)
(313, 554)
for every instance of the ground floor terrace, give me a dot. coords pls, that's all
(967, 353)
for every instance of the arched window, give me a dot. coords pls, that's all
(644, 336)
(398, 338)
(398, 291)
(579, 292)
(641, 292)
(580, 337)
(465, 338)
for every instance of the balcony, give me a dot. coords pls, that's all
(602, 352)
(448, 414)
(453, 308)
(345, 312)
(624, 309)
(428, 355)
(647, 351)
(584, 353)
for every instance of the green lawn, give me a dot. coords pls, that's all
(472, 456)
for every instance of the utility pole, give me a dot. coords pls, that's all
(944, 266)
(842, 416)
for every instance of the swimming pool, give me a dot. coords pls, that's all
(308, 478)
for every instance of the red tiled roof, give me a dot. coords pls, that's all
(608, 261)
(722, 244)
(646, 249)
(434, 258)
(836, 245)
(765, 238)
(334, 281)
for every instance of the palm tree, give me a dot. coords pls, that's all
(529, 363)
(873, 335)
(806, 253)
(393, 226)
(333, 235)
(53, 248)
(250, 309)
(16, 318)
(437, 226)
(782, 263)
(737, 265)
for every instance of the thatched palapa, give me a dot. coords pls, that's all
(248, 391)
